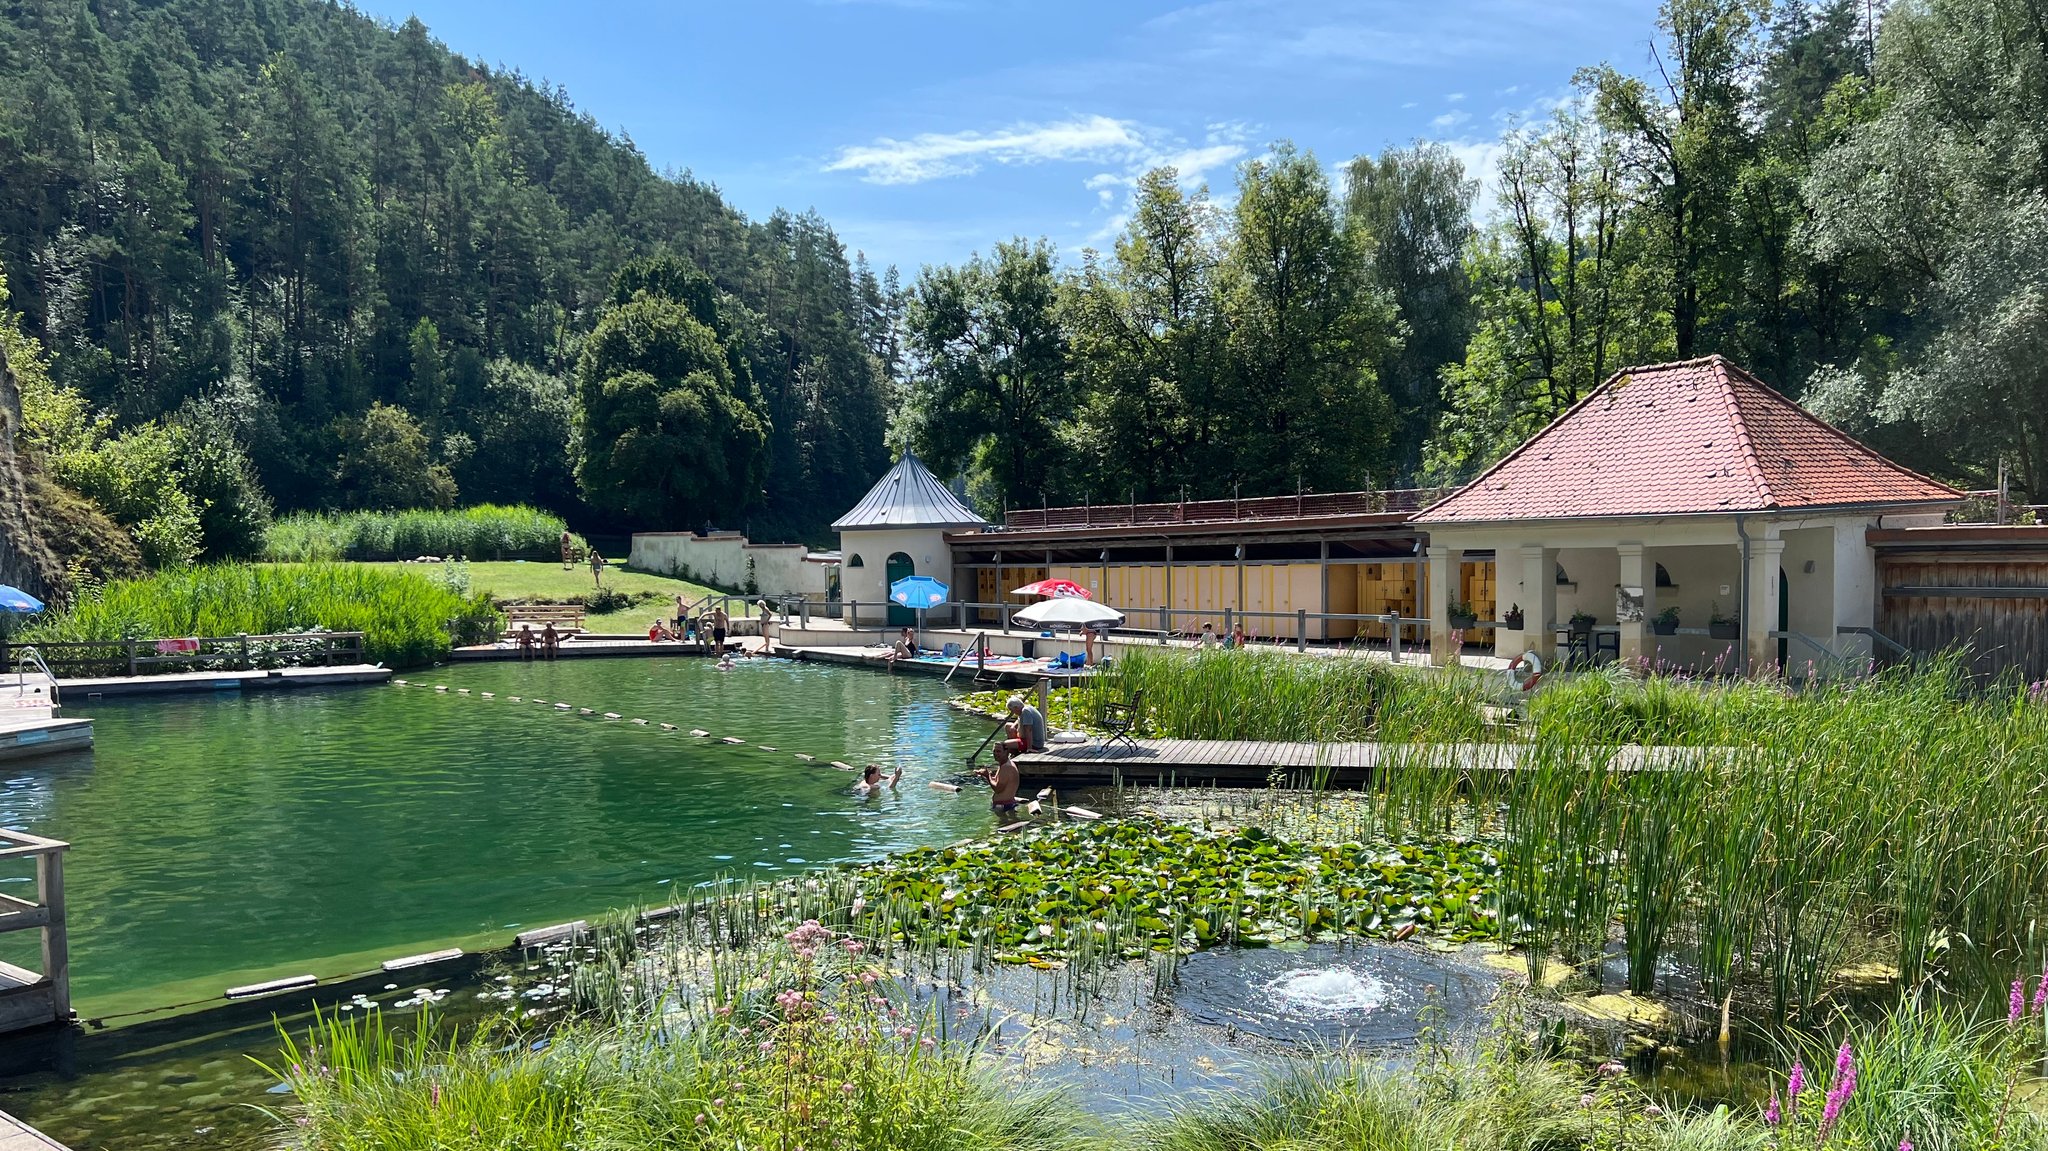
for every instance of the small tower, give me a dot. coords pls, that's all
(898, 529)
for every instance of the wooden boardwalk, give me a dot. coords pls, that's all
(1253, 763)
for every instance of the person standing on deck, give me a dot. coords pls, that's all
(719, 621)
(677, 624)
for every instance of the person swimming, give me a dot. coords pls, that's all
(871, 780)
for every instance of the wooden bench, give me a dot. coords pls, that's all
(567, 617)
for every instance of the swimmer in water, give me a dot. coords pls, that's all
(871, 780)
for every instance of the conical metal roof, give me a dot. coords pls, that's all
(909, 496)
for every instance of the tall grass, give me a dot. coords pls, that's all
(484, 532)
(805, 1043)
(404, 616)
(1776, 836)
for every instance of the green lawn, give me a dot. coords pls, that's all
(546, 582)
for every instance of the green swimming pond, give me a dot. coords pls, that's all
(223, 839)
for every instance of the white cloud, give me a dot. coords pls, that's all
(1454, 97)
(1449, 120)
(935, 155)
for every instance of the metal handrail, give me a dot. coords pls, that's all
(29, 656)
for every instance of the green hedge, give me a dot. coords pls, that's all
(404, 616)
(484, 532)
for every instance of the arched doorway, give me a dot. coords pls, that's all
(899, 567)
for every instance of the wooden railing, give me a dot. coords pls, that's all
(1216, 511)
(100, 657)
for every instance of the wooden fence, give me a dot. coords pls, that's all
(195, 653)
(1978, 588)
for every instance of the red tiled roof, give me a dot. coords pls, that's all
(1702, 436)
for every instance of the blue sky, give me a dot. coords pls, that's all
(925, 130)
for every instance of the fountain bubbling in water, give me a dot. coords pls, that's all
(1328, 992)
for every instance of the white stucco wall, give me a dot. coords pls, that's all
(869, 583)
(721, 559)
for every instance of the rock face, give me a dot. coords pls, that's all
(26, 561)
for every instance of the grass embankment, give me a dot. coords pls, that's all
(628, 602)
(403, 615)
(484, 532)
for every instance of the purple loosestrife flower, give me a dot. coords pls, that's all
(1838, 1094)
(1794, 1084)
(1905, 1144)
(2041, 992)
(2018, 1004)
(1771, 1115)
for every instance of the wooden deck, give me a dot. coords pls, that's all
(18, 1136)
(79, 690)
(1253, 763)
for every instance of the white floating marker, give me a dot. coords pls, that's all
(562, 707)
(401, 682)
(616, 715)
(764, 747)
(488, 694)
(422, 959)
(935, 785)
(440, 687)
(1010, 827)
(668, 727)
(288, 983)
(1045, 793)
(1082, 813)
(732, 739)
(842, 766)
(584, 711)
(641, 722)
(1034, 807)
(698, 731)
(806, 758)
(515, 699)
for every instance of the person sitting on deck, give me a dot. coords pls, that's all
(871, 781)
(1237, 637)
(658, 632)
(525, 637)
(550, 640)
(905, 646)
(1027, 733)
(1208, 636)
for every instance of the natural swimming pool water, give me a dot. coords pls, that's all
(218, 840)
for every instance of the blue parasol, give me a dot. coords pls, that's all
(919, 592)
(21, 603)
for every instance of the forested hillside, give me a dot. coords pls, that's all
(363, 269)
(1850, 200)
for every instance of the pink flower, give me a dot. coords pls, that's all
(904, 1033)
(1771, 1115)
(2041, 992)
(1586, 1101)
(855, 947)
(702, 1119)
(1794, 1084)
(1845, 1060)
(2019, 1001)
(1611, 1069)
(767, 1045)
(928, 1043)
(1653, 1112)
(1905, 1145)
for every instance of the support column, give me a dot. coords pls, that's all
(1444, 565)
(1760, 612)
(1539, 601)
(1638, 577)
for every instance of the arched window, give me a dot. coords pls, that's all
(1561, 576)
(1664, 577)
(854, 562)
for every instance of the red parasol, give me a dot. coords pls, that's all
(1054, 589)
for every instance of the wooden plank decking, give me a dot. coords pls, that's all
(1200, 762)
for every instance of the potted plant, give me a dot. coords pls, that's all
(1582, 622)
(1462, 615)
(1513, 620)
(1723, 626)
(1666, 622)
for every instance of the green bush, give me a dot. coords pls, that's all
(484, 532)
(404, 616)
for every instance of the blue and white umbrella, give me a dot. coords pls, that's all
(21, 603)
(919, 592)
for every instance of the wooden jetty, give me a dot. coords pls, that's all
(1255, 763)
(36, 998)
(261, 679)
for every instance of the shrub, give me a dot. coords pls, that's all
(404, 616)
(484, 532)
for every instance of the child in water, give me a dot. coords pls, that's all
(871, 780)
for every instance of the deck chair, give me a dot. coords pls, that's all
(1119, 718)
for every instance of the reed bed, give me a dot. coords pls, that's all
(406, 618)
(1774, 837)
(483, 532)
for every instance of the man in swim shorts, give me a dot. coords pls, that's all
(1026, 733)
